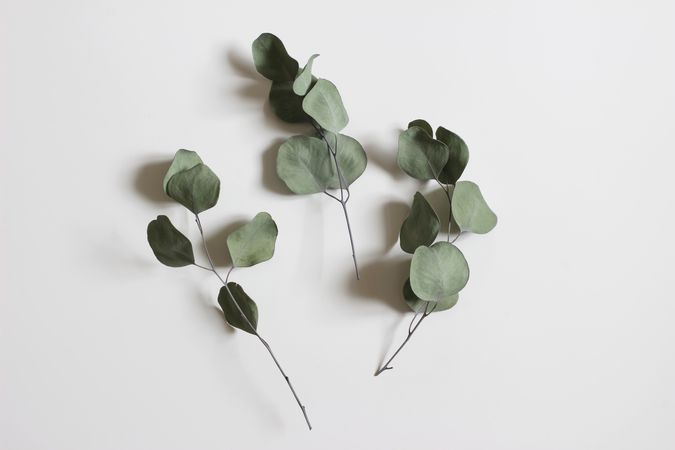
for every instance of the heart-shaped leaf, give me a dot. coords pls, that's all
(304, 164)
(254, 242)
(438, 272)
(232, 313)
(420, 306)
(272, 60)
(423, 124)
(286, 104)
(183, 160)
(421, 226)
(169, 245)
(304, 80)
(196, 188)
(469, 209)
(324, 104)
(420, 155)
(458, 159)
(350, 156)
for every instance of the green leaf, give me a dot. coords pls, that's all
(420, 155)
(324, 104)
(271, 59)
(304, 80)
(286, 104)
(304, 164)
(232, 313)
(470, 210)
(420, 306)
(183, 160)
(350, 156)
(458, 159)
(197, 188)
(169, 245)
(254, 242)
(421, 226)
(423, 124)
(438, 272)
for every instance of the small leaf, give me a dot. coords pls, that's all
(421, 226)
(423, 124)
(304, 80)
(324, 104)
(420, 155)
(470, 210)
(286, 104)
(197, 188)
(438, 272)
(232, 313)
(458, 159)
(304, 164)
(183, 160)
(272, 60)
(350, 156)
(420, 306)
(169, 245)
(254, 242)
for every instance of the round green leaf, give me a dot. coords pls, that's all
(304, 164)
(420, 306)
(183, 160)
(438, 272)
(169, 245)
(350, 156)
(271, 59)
(421, 226)
(286, 104)
(420, 155)
(470, 210)
(324, 104)
(458, 159)
(232, 313)
(254, 242)
(197, 188)
(423, 124)
(304, 80)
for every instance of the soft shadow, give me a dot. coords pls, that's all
(388, 340)
(382, 280)
(148, 180)
(211, 312)
(394, 212)
(385, 157)
(217, 243)
(270, 179)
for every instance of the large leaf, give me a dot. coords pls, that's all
(438, 272)
(421, 226)
(324, 104)
(286, 104)
(272, 60)
(458, 159)
(246, 305)
(470, 210)
(420, 155)
(254, 242)
(169, 245)
(350, 156)
(183, 160)
(420, 306)
(197, 188)
(304, 80)
(423, 124)
(304, 164)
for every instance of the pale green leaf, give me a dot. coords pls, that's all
(324, 104)
(254, 242)
(183, 160)
(469, 209)
(420, 155)
(350, 156)
(438, 272)
(420, 306)
(197, 188)
(304, 80)
(304, 164)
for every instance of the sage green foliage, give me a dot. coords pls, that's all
(437, 272)
(351, 157)
(191, 183)
(420, 155)
(420, 306)
(304, 164)
(272, 60)
(232, 313)
(169, 245)
(183, 160)
(254, 242)
(458, 159)
(324, 104)
(470, 210)
(420, 227)
(423, 124)
(286, 104)
(304, 80)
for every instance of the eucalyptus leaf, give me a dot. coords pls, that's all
(286, 104)
(304, 164)
(183, 160)
(423, 124)
(438, 272)
(324, 104)
(458, 159)
(421, 226)
(272, 60)
(169, 245)
(420, 155)
(420, 306)
(232, 313)
(350, 156)
(254, 242)
(304, 79)
(197, 188)
(469, 209)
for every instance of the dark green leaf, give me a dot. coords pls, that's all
(470, 210)
(421, 226)
(197, 188)
(420, 306)
(420, 155)
(304, 164)
(183, 160)
(438, 272)
(423, 124)
(233, 314)
(286, 104)
(458, 159)
(254, 242)
(168, 244)
(271, 59)
(324, 104)
(304, 80)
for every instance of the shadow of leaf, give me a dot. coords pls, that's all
(217, 243)
(270, 179)
(382, 281)
(148, 180)
(394, 213)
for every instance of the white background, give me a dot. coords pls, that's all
(563, 338)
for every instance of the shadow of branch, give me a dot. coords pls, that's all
(217, 243)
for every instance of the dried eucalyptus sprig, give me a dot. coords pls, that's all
(327, 160)
(192, 184)
(438, 271)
